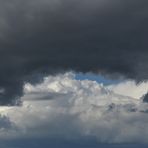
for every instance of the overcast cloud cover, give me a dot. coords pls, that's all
(44, 44)
(80, 113)
(40, 37)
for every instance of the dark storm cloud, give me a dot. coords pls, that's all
(39, 37)
(145, 98)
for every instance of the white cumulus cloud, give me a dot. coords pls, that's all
(65, 108)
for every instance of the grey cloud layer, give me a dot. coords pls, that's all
(41, 37)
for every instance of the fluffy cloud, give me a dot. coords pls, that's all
(75, 110)
(130, 88)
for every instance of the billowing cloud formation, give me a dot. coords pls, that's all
(38, 37)
(73, 110)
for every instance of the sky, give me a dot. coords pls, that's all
(73, 73)
(97, 77)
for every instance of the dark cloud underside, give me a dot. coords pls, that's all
(39, 37)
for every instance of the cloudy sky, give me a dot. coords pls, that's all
(73, 73)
